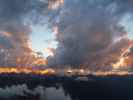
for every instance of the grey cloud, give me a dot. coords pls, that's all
(15, 16)
(87, 29)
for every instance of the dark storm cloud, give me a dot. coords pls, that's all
(5, 42)
(87, 28)
(16, 9)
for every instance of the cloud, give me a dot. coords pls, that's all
(16, 17)
(88, 33)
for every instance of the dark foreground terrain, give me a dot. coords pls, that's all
(35, 87)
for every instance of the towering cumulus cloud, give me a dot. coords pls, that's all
(14, 29)
(90, 33)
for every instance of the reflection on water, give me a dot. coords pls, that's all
(22, 92)
(98, 89)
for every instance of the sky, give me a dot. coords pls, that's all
(42, 37)
(77, 31)
(128, 24)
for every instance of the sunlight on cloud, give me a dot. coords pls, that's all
(41, 38)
